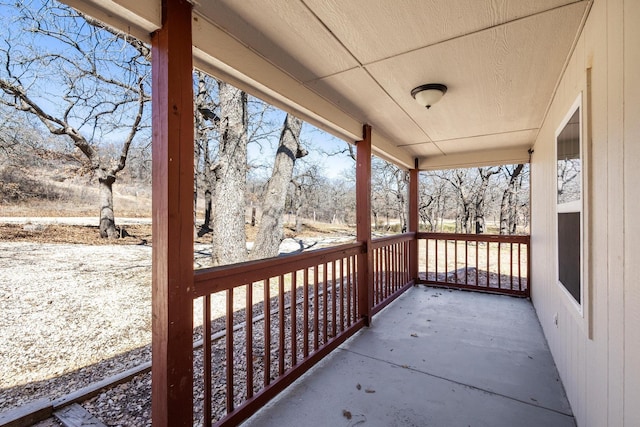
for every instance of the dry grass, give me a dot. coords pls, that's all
(139, 234)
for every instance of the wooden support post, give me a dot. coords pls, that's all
(363, 224)
(413, 220)
(172, 292)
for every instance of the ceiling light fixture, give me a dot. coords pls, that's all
(429, 94)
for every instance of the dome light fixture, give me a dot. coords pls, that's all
(429, 94)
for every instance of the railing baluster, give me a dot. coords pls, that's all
(325, 308)
(342, 284)
(426, 258)
(281, 337)
(267, 332)
(206, 354)
(377, 274)
(477, 263)
(385, 274)
(446, 260)
(349, 281)
(229, 350)
(455, 258)
(305, 314)
(511, 265)
(488, 269)
(294, 323)
(396, 267)
(334, 310)
(499, 267)
(354, 295)
(249, 338)
(466, 262)
(316, 308)
(519, 267)
(436, 260)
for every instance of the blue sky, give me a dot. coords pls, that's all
(48, 92)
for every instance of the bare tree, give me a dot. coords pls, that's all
(207, 125)
(81, 80)
(389, 193)
(270, 233)
(485, 175)
(305, 185)
(509, 203)
(433, 198)
(230, 177)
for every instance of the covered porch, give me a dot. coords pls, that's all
(327, 64)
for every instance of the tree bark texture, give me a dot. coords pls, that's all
(270, 233)
(229, 175)
(508, 205)
(107, 217)
(481, 196)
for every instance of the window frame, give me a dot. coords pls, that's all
(576, 206)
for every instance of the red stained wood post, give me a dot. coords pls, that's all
(413, 221)
(363, 223)
(172, 292)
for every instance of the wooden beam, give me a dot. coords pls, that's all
(363, 224)
(414, 177)
(75, 415)
(172, 292)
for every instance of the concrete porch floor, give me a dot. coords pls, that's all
(434, 357)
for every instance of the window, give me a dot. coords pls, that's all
(569, 203)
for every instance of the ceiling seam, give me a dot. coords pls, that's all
(470, 136)
(365, 69)
(445, 41)
(481, 30)
(565, 65)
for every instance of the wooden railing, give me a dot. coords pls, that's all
(490, 263)
(391, 274)
(296, 309)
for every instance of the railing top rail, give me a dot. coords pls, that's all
(476, 237)
(215, 279)
(383, 241)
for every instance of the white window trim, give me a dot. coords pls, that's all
(575, 206)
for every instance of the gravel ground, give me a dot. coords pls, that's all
(76, 314)
(63, 324)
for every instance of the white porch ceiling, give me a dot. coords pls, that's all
(343, 63)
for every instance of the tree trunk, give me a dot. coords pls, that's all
(207, 209)
(107, 218)
(481, 196)
(229, 240)
(507, 205)
(270, 233)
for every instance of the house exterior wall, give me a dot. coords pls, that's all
(597, 352)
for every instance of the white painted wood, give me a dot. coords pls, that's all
(500, 80)
(631, 214)
(285, 33)
(615, 201)
(400, 26)
(137, 17)
(601, 370)
(518, 139)
(355, 92)
(479, 158)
